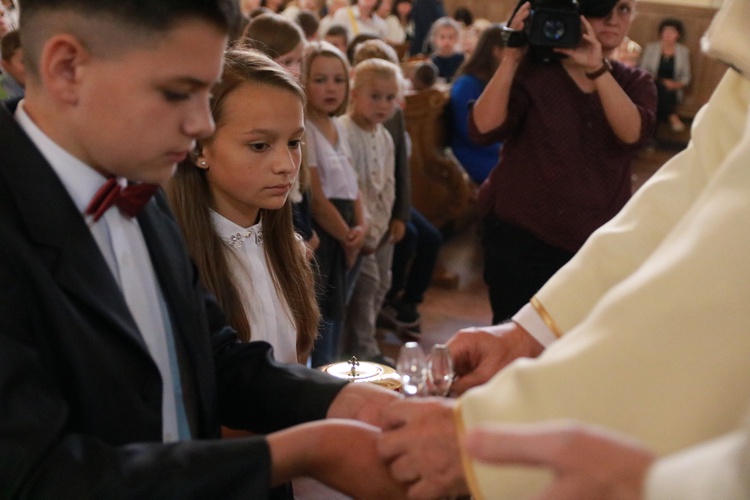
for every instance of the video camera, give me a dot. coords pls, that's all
(554, 23)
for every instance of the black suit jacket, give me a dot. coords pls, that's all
(80, 396)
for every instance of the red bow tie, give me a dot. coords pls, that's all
(130, 199)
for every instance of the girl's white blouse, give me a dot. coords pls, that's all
(334, 163)
(267, 311)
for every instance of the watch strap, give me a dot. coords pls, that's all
(605, 68)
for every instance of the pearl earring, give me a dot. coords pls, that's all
(204, 164)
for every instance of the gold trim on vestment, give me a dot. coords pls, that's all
(542, 312)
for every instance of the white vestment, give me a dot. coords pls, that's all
(653, 309)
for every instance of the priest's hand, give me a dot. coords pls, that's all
(479, 353)
(587, 462)
(420, 445)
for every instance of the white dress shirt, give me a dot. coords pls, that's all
(123, 247)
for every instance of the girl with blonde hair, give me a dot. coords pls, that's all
(336, 202)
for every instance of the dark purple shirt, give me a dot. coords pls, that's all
(562, 171)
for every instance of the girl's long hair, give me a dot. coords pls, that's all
(190, 198)
(482, 63)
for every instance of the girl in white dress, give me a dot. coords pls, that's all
(337, 208)
(231, 201)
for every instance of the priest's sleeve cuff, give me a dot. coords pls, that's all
(534, 319)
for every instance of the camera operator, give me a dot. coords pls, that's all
(570, 127)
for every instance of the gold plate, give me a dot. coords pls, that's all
(365, 371)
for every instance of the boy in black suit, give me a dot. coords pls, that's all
(116, 367)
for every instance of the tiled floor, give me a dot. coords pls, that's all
(446, 310)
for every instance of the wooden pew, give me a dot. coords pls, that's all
(441, 189)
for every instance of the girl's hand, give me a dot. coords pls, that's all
(588, 53)
(352, 244)
(355, 238)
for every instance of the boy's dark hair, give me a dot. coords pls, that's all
(10, 43)
(95, 20)
(426, 73)
(151, 15)
(337, 30)
(309, 22)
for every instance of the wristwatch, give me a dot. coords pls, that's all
(513, 38)
(606, 68)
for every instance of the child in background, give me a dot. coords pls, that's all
(13, 76)
(309, 22)
(444, 39)
(396, 126)
(277, 37)
(336, 36)
(283, 41)
(376, 86)
(416, 240)
(331, 6)
(337, 209)
(231, 202)
(424, 76)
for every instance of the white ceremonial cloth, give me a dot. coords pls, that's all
(658, 345)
